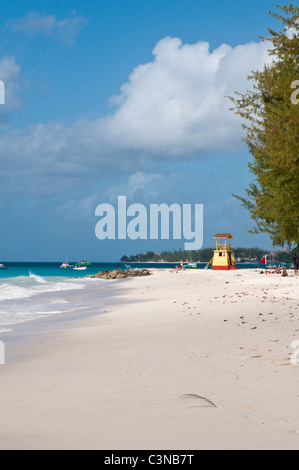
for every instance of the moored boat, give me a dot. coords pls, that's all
(65, 265)
(80, 267)
(191, 266)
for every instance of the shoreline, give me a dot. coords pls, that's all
(125, 379)
(19, 335)
(7, 327)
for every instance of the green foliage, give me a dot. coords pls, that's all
(272, 135)
(204, 256)
(284, 257)
(250, 254)
(142, 258)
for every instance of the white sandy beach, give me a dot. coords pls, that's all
(122, 380)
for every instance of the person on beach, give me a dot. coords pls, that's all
(178, 268)
(296, 263)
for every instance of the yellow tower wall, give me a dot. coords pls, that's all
(223, 260)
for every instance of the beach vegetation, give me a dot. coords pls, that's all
(271, 112)
(243, 255)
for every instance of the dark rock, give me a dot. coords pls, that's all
(120, 274)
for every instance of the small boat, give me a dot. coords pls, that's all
(191, 266)
(2, 266)
(80, 267)
(85, 263)
(65, 265)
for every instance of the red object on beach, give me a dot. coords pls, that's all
(264, 260)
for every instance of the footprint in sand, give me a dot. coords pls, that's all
(255, 418)
(288, 421)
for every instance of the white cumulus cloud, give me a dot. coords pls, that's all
(66, 29)
(177, 103)
(172, 107)
(148, 183)
(9, 76)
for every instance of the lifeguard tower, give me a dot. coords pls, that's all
(224, 258)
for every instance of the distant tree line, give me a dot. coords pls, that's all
(204, 256)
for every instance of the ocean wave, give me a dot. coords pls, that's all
(5, 330)
(23, 288)
(37, 278)
(10, 292)
(30, 297)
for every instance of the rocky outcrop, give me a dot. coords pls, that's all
(120, 274)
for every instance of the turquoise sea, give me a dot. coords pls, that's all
(54, 270)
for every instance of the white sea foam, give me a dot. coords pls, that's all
(58, 300)
(10, 292)
(29, 297)
(37, 278)
(5, 330)
(19, 290)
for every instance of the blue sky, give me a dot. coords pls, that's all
(109, 98)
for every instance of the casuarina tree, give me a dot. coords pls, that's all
(271, 120)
